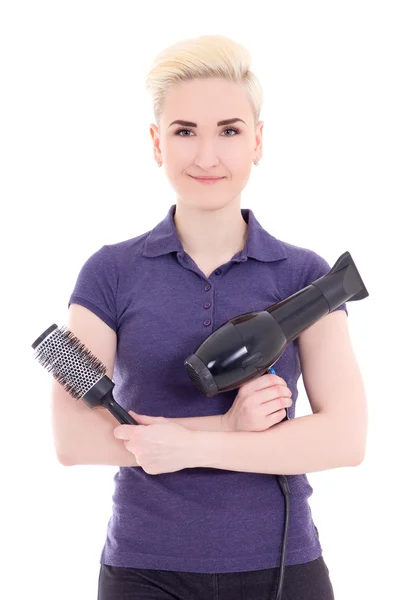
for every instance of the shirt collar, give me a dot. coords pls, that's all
(260, 244)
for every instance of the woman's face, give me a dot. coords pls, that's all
(207, 149)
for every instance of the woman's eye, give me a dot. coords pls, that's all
(180, 131)
(228, 129)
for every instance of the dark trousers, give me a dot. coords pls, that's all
(307, 581)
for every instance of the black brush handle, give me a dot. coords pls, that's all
(101, 395)
(117, 411)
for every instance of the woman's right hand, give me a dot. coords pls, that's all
(259, 404)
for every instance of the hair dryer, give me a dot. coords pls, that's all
(248, 345)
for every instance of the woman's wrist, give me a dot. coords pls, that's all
(207, 423)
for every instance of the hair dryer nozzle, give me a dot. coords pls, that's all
(340, 286)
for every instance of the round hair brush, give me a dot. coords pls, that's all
(78, 370)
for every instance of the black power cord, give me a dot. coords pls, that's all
(284, 485)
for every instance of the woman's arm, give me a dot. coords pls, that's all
(334, 436)
(208, 423)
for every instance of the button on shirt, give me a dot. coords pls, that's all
(162, 307)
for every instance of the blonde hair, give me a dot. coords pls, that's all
(201, 57)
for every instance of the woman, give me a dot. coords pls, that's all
(192, 521)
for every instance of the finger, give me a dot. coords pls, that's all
(119, 434)
(279, 393)
(264, 381)
(264, 397)
(276, 417)
(149, 419)
(138, 416)
(124, 432)
(273, 405)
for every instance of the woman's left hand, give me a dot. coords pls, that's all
(160, 447)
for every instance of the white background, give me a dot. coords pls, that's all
(77, 171)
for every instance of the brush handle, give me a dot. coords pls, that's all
(101, 395)
(117, 411)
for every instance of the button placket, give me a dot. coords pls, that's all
(207, 322)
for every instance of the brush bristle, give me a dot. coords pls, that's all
(70, 362)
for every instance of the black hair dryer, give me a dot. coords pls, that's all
(246, 346)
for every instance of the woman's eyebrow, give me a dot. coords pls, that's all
(190, 124)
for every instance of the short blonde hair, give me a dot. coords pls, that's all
(201, 57)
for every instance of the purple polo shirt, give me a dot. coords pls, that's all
(162, 308)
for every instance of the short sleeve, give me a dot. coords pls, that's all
(315, 267)
(96, 286)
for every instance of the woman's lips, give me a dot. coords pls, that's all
(209, 181)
